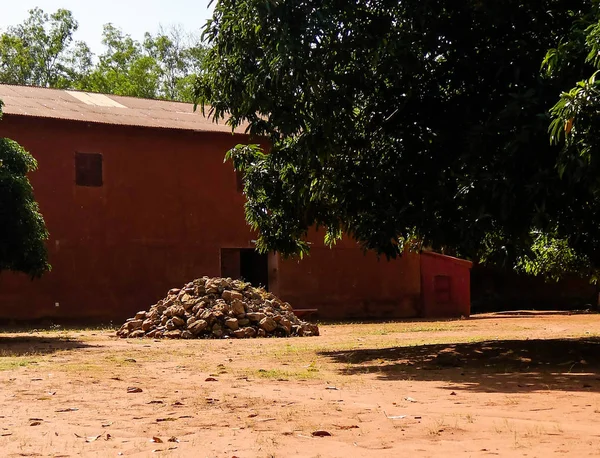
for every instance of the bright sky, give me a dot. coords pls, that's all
(133, 16)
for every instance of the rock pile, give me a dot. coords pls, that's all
(217, 308)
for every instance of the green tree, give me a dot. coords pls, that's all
(180, 57)
(391, 120)
(37, 51)
(23, 231)
(41, 52)
(162, 66)
(123, 69)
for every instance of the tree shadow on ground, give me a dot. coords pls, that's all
(509, 366)
(27, 345)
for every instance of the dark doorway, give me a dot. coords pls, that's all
(254, 268)
(247, 264)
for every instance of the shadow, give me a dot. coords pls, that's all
(529, 314)
(509, 366)
(12, 345)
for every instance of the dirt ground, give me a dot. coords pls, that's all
(487, 386)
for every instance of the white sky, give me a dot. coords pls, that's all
(133, 16)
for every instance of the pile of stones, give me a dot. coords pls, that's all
(218, 308)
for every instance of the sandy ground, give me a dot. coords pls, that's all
(487, 386)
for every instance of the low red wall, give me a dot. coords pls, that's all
(345, 283)
(445, 283)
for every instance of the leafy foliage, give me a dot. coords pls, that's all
(390, 118)
(41, 52)
(36, 52)
(22, 232)
(552, 258)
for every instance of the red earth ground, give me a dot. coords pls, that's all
(490, 385)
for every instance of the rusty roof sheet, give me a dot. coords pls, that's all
(106, 109)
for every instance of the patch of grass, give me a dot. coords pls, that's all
(82, 367)
(8, 364)
(121, 360)
(436, 427)
(278, 374)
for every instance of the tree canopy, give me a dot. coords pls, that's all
(42, 52)
(390, 121)
(23, 231)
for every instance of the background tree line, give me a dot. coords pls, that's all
(42, 52)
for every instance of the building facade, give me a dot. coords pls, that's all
(138, 199)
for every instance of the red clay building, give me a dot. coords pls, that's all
(137, 200)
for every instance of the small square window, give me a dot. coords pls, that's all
(88, 169)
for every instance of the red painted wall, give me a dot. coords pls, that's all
(446, 286)
(167, 206)
(345, 283)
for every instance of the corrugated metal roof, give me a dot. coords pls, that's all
(106, 109)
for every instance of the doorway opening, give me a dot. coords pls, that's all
(246, 264)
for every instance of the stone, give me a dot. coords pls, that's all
(211, 287)
(310, 329)
(222, 305)
(220, 308)
(169, 301)
(232, 323)
(286, 307)
(206, 315)
(255, 316)
(239, 333)
(229, 295)
(199, 307)
(268, 324)
(134, 325)
(238, 307)
(286, 324)
(175, 310)
(191, 320)
(197, 327)
(187, 301)
(178, 321)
